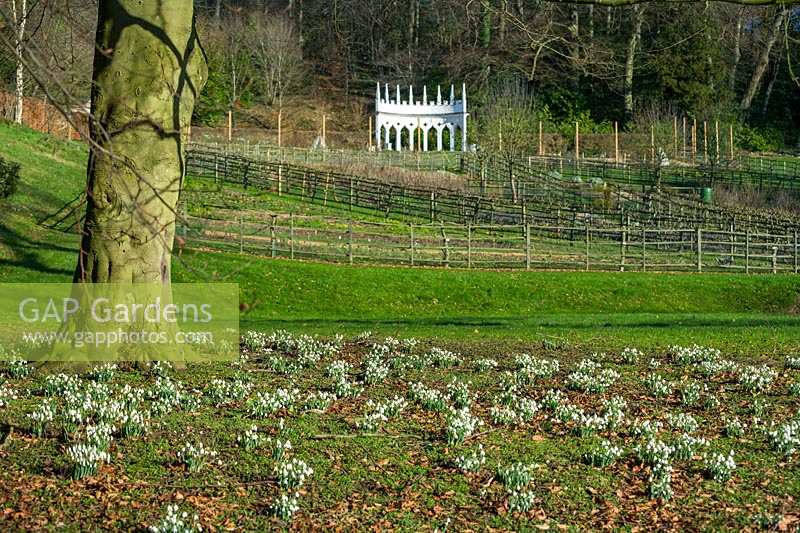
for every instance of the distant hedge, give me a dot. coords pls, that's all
(9, 178)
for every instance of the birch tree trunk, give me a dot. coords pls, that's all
(148, 71)
(630, 60)
(737, 50)
(763, 60)
(20, 14)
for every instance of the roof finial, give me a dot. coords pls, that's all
(424, 95)
(438, 95)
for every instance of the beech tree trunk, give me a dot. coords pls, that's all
(763, 60)
(20, 14)
(148, 71)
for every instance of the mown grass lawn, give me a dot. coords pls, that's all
(401, 472)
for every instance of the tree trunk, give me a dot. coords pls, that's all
(763, 60)
(770, 86)
(218, 9)
(148, 71)
(630, 60)
(20, 19)
(737, 50)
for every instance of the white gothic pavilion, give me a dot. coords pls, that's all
(418, 119)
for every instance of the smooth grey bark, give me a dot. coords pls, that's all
(630, 59)
(20, 14)
(763, 60)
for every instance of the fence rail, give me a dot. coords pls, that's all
(523, 246)
(557, 203)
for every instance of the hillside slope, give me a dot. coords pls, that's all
(742, 311)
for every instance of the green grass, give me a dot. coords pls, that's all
(741, 313)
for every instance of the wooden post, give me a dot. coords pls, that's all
(644, 247)
(445, 247)
(616, 142)
(716, 139)
(291, 236)
(351, 193)
(433, 206)
(623, 244)
(705, 141)
(241, 234)
(411, 227)
(469, 245)
(527, 247)
(324, 131)
(280, 127)
(587, 247)
(350, 240)
(652, 144)
(370, 133)
(694, 141)
(684, 137)
(774, 259)
(675, 136)
(730, 131)
(747, 250)
(699, 249)
(272, 240)
(796, 252)
(541, 139)
(230, 125)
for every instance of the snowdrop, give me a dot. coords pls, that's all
(292, 474)
(591, 377)
(103, 372)
(786, 437)
(602, 454)
(86, 459)
(177, 522)
(471, 462)
(251, 438)
(734, 427)
(484, 365)
(443, 358)
(685, 446)
(657, 386)
(682, 421)
(459, 394)
(757, 379)
(6, 395)
(719, 467)
(19, 368)
(520, 501)
(41, 416)
(460, 425)
(195, 457)
(515, 476)
(285, 506)
(631, 356)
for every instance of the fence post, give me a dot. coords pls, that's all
(350, 240)
(587, 247)
(241, 234)
(623, 243)
(795, 253)
(433, 206)
(644, 248)
(774, 259)
(280, 179)
(527, 247)
(272, 240)
(469, 245)
(351, 192)
(699, 249)
(445, 247)
(411, 227)
(747, 251)
(291, 235)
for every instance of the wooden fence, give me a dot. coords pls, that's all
(557, 205)
(522, 246)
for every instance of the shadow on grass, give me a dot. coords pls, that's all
(27, 253)
(586, 322)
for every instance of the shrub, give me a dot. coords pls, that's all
(9, 178)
